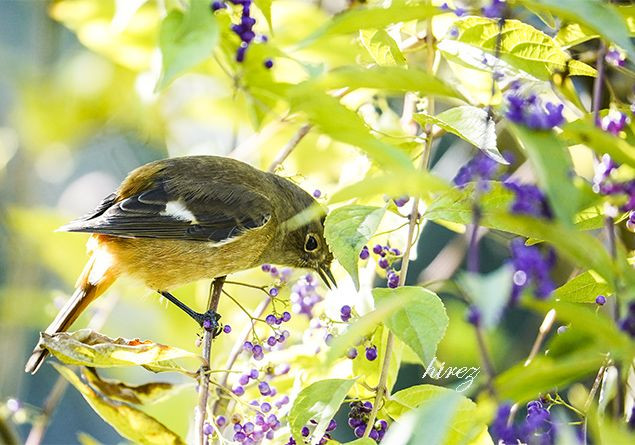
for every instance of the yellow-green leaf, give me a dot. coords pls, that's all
(130, 422)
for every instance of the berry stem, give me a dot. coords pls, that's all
(200, 412)
(413, 223)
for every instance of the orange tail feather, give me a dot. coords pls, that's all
(93, 282)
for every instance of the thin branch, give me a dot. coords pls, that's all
(200, 412)
(413, 223)
(287, 149)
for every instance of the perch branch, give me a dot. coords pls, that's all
(200, 412)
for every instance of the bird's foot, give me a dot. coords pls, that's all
(209, 322)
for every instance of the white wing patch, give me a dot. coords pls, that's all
(178, 210)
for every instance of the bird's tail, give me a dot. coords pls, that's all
(94, 280)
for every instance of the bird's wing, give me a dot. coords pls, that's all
(216, 215)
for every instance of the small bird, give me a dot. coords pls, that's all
(179, 220)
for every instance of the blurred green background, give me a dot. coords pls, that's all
(78, 112)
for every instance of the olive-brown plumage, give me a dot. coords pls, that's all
(183, 219)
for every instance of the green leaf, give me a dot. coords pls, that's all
(582, 131)
(382, 48)
(372, 18)
(390, 78)
(472, 124)
(429, 424)
(522, 46)
(137, 394)
(420, 322)
(186, 39)
(89, 348)
(411, 183)
(523, 383)
(465, 424)
(584, 288)
(369, 372)
(552, 164)
(573, 34)
(345, 125)
(597, 15)
(586, 319)
(318, 402)
(490, 293)
(347, 229)
(131, 423)
(362, 441)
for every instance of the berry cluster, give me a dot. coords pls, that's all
(531, 112)
(604, 184)
(306, 433)
(387, 257)
(252, 433)
(304, 296)
(531, 267)
(358, 420)
(614, 122)
(615, 57)
(536, 428)
(627, 324)
(244, 29)
(480, 169)
(279, 336)
(494, 9)
(528, 200)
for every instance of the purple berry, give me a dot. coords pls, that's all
(332, 425)
(351, 353)
(265, 407)
(316, 193)
(248, 346)
(271, 341)
(383, 263)
(364, 254)
(240, 436)
(268, 63)
(243, 379)
(238, 390)
(371, 353)
(377, 249)
(600, 300)
(221, 421)
(227, 329)
(253, 374)
(305, 431)
(286, 316)
(207, 429)
(266, 267)
(359, 431)
(264, 388)
(270, 319)
(273, 291)
(474, 316)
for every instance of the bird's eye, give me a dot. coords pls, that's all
(311, 243)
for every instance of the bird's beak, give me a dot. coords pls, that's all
(326, 275)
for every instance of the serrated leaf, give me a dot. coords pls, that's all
(431, 423)
(573, 34)
(582, 131)
(390, 78)
(465, 424)
(186, 39)
(584, 288)
(318, 402)
(522, 45)
(371, 18)
(136, 394)
(553, 168)
(490, 293)
(382, 48)
(472, 124)
(345, 125)
(131, 423)
(89, 348)
(420, 322)
(599, 16)
(347, 229)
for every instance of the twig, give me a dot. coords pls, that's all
(200, 412)
(287, 149)
(544, 329)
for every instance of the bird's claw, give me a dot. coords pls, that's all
(209, 322)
